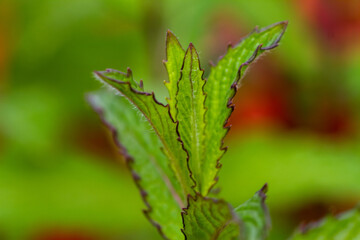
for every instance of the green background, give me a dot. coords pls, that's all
(296, 124)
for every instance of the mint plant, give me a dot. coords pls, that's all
(173, 150)
(345, 227)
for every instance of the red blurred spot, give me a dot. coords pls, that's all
(58, 234)
(336, 21)
(264, 99)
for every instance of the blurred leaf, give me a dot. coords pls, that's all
(78, 191)
(220, 89)
(207, 218)
(150, 167)
(30, 118)
(255, 216)
(345, 227)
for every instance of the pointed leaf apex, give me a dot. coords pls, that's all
(285, 23)
(169, 33)
(265, 188)
(262, 192)
(191, 57)
(191, 50)
(128, 72)
(97, 73)
(170, 37)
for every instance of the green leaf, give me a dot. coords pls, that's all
(210, 219)
(255, 216)
(174, 60)
(148, 164)
(191, 111)
(344, 227)
(159, 118)
(220, 89)
(167, 141)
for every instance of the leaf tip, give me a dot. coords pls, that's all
(284, 23)
(262, 192)
(169, 34)
(191, 49)
(265, 188)
(170, 37)
(128, 72)
(97, 73)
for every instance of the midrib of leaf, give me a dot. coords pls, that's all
(148, 105)
(221, 87)
(191, 110)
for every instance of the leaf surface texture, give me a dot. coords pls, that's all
(148, 164)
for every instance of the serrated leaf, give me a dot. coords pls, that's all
(174, 61)
(255, 216)
(210, 219)
(344, 227)
(191, 111)
(221, 87)
(159, 118)
(148, 164)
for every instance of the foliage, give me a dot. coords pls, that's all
(344, 227)
(174, 150)
(207, 218)
(54, 146)
(255, 216)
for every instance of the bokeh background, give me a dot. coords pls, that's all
(295, 125)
